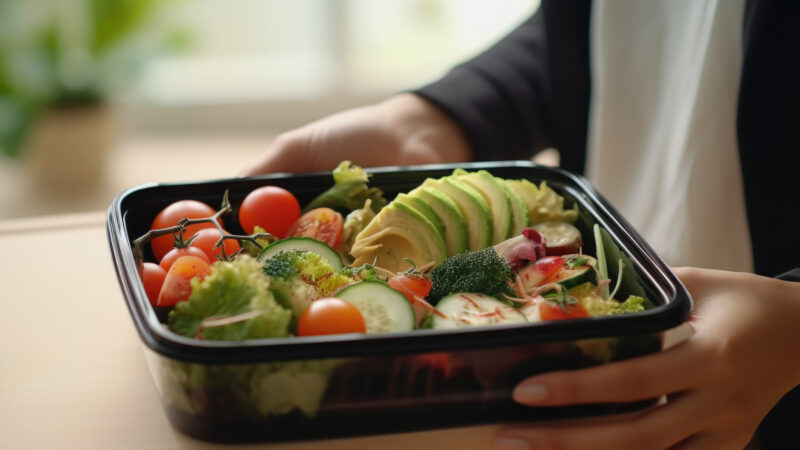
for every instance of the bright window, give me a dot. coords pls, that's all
(246, 51)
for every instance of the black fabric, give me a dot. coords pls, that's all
(792, 275)
(528, 92)
(532, 90)
(767, 123)
(781, 428)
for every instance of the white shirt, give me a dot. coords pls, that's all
(662, 127)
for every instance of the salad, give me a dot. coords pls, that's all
(467, 249)
(242, 282)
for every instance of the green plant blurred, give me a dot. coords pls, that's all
(56, 53)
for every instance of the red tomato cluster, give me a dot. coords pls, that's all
(169, 217)
(272, 208)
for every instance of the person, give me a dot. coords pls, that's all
(682, 114)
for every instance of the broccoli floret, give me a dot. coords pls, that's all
(291, 264)
(349, 191)
(482, 271)
(294, 274)
(300, 276)
(282, 265)
(364, 272)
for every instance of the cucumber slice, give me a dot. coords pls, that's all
(468, 309)
(302, 243)
(385, 309)
(570, 278)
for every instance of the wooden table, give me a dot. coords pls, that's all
(72, 370)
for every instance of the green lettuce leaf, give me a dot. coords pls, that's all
(232, 303)
(632, 304)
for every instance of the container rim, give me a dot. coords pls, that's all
(676, 306)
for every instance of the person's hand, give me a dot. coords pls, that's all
(403, 130)
(720, 383)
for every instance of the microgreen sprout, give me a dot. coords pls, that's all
(562, 299)
(578, 261)
(619, 279)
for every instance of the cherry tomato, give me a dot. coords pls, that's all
(169, 217)
(541, 271)
(152, 278)
(322, 224)
(411, 285)
(177, 252)
(177, 287)
(551, 311)
(272, 208)
(330, 315)
(205, 240)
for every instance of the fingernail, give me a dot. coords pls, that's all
(509, 443)
(531, 393)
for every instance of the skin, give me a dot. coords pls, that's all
(402, 130)
(719, 384)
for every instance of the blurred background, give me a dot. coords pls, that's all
(98, 96)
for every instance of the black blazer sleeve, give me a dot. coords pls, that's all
(528, 92)
(767, 124)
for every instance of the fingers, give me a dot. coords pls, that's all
(402, 130)
(286, 154)
(711, 417)
(697, 281)
(660, 427)
(651, 376)
(658, 431)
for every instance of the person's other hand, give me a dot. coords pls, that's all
(720, 383)
(403, 130)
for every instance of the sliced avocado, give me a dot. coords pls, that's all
(543, 203)
(396, 233)
(497, 196)
(455, 224)
(422, 208)
(472, 206)
(522, 216)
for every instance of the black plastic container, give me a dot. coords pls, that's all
(316, 387)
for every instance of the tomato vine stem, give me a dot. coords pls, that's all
(140, 242)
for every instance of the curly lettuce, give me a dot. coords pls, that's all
(349, 191)
(232, 303)
(597, 305)
(543, 202)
